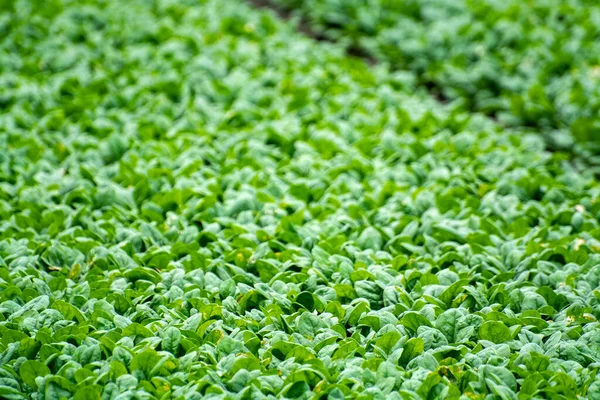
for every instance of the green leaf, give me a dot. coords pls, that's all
(412, 348)
(145, 361)
(136, 329)
(31, 369)
(306, 300)
(56, 388)
(494, 331)
(309, 324)
(388, 341)
(171, 340)
(449, 295)
(412, 320)
(92, 392)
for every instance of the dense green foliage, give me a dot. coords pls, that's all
(533, 64)
(196, 202)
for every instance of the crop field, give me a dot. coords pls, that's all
(197, 201)
(531, 64)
